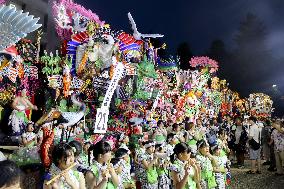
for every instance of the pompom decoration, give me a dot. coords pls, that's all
(15, 25)
(203, 62)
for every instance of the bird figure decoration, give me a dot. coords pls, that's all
(136, 34)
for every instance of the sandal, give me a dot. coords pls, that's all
(258, 172)
(251, 172)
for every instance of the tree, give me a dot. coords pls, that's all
(185, 54)
(218, 52)
(251, 58)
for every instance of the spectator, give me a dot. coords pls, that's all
(241, 137)
(265, 135)
(278, 138)
(254, 146)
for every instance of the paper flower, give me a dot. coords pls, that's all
(204, 61)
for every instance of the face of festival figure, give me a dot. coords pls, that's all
(24, 93)
(64, 163)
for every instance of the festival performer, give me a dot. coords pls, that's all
(18, 118)
(139, 150)
(123, 155)
(123, 141)
(190, 137)
(183, 171)
(205, 159)
(102, 173)
(63, 158)
(149, 176)
(164, 181)
(160, 133)
(81, 158)
(116, 162)
(220, 169)
(29, 138)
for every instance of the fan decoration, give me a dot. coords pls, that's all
(15, 25)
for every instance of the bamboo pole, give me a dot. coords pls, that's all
(59, 175)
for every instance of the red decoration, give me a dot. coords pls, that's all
(46, 145)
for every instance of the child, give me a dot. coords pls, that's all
(123, 141)
(220, 167)
(149, 176)
(80, 157)
(63, 158)
(118, 169)
(123, 155)
(164, 181)
(139, 150)
(102, 173)
(184, 172)
(205, 159)
(29, 137)
(160, 133)
(222, 142)
(190, 137)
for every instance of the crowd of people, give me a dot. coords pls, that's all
(185, 155)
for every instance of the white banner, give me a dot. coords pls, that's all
(155, 104)
(101, 120)
(113, 84)
(102, 113)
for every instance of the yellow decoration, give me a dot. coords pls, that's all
(85, 85)
(83, 62)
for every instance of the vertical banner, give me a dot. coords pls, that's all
(102, 113)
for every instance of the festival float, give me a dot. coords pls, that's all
(106, 81)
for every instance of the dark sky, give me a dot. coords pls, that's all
(199, 22)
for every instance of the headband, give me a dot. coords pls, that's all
(117, 164)
(121, 137)
(149, 145)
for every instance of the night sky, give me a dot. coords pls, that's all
(199, 22)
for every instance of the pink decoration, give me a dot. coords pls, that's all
(2, 1)
(204, 61)
(70, 7)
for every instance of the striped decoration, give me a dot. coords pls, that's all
(76, 40)
(130, 69)
(13, 74)
(128, 42)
